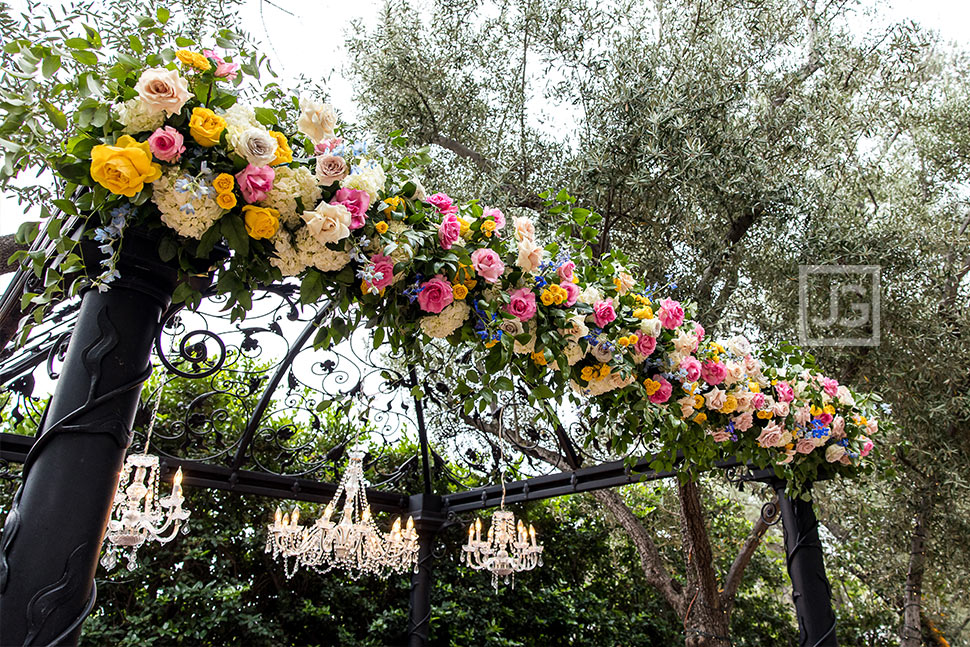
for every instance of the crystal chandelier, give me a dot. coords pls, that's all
(352, 543)
(137, 514)
(507, 549)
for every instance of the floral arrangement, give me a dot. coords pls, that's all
(179, 150)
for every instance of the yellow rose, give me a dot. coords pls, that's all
(284, 154)
(700, 418)
(261, 222)
(381, 227)
(730, 404)
(193, 59)
(392, 204)
(547, 298)
(124, 168)
(226, 200)
(539, 358)
(488, 227)
(463, 227)
(652, 386)
(459, 291)
(764, 414)
(206, 126)
(224, 183)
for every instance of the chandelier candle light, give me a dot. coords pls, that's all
(354, 543)
(138, 515)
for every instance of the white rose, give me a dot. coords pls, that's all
(328, 223)
(602, 352)
(590, 295)
(577, 327)
(650, 327)
(317, 120)
(257, 146)
(161, 89)
(833, 453)
(530, 255)
(845, 397)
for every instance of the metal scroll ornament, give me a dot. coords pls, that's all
(138, 515)
(353, 543)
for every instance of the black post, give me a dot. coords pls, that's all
(426, 510)
(810, 585)
(52, 536)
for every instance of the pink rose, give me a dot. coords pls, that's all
(825, 418)
(831, 386)
(713, 372)
(662, 394)
(838, 428)
(331, 169)
(751, 365)
(384, 265)
(780, 409)
(327, 145)
(449, 231)
(166, 144)
(565, 272)
(785, 392)
(255, 182)
(805, 446)
(770, 436)
(693, 368)
(671, 314)
(487, 264)
(866, 448)
(442, 203)
(604, 312)
(435, 295)
(720, 436)
(530, 255)
(495, 215)
(223, 70)
(645, 343)
(744, 400)
(872, 427)
(699, 331)
(715, 398)
(803, 415)
(523, 304)
(357, 202)
(758, 400)
(572, 292)
(743, 422)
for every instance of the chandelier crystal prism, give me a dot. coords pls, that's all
(352, 543)
(137, 514)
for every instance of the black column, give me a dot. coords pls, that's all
(426, 510)
(52, 536)
(806, 567)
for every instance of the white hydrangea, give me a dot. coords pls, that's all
(136, 117)
(239, 118)
(287, 186)
(191, 221)
(368, 176)
(288, 258)
(319, 255)
(447, 321)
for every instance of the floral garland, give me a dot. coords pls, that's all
(181, 151)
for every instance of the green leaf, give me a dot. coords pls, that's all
(503, 383)
(266, 116)
(235, 232)
(167, 249)
(58, 118)
(163, 15)
(50, 66)
(77, 43)
(135, 44)
(85, 57)
(182, 41)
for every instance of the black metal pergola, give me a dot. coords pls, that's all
(98, 351)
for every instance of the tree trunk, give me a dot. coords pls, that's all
(912, 634)
(706, 620)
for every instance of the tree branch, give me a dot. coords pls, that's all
(741, 561)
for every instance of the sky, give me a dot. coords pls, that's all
(286, 27)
